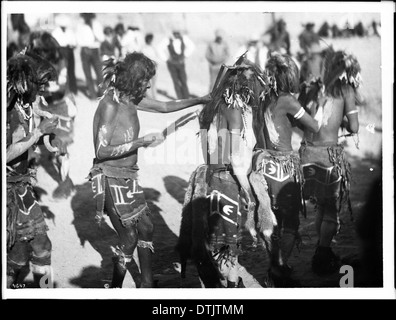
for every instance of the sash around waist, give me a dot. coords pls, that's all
(117, 172)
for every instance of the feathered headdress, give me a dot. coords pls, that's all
(241, 85)
(45, 45)
(341, 66)
(283, 73)
(310, 91)
(27, 75)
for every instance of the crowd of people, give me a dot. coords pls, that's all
(251, 173)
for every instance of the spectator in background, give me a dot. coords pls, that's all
(308, 37)
(376, 28)
(280, 38)
(174, 50)
(119, 31)
(67, 41)
(18, 35)
(256, 50)
(90, 36)
(336, 32)
(360, 30)
(108, 46)
(132, 41)
(324, 30)
(217, 54)
(149, 51)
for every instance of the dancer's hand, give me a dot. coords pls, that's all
(206, 99)
(47, 126)
(153, 139)
(247, 199)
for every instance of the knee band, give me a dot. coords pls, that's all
(16, 265)
(146, 244)
(42, 264)
(13, 267)
(120, 257)
(43, 260)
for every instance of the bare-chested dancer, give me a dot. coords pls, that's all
(114, 174)
(213, 215)
(27, 239)
(326, 170)
(275, 158)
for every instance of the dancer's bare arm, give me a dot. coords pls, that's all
(350, 110)
(15, 149)
(151, 105)
(294, 108)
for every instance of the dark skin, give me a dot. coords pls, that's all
(116, 139)
(116, 127)
(231, 149)
(17, 158)
(23, 141)
(282, 111)
(341, 108)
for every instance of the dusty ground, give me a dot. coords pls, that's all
(82, 251)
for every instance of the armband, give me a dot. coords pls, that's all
(299, 114)
(236, 131)
(352, 112)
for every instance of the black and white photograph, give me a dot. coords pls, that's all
(167, 150)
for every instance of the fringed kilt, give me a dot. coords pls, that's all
(25, 219)
(125, 191)
(211, 220)
(327, 173)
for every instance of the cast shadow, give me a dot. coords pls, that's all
(176, 187)
(101, 237)
(166, 267)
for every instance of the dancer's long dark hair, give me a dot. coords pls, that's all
(129, 75)
(246, 84)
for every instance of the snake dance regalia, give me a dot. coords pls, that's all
(326, 169)
(327, 174)
(212, 216)
(27, 75)
(124, 188)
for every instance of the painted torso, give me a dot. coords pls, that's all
(126, 128)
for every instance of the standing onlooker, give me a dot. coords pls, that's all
(149, 51)
(17, 35)
(108, 46)
(132, 41)
(119, 31)
(308, 37)
(174, 50)
(90, 36)
(217, 54)
(67, 41)
(280, 37)
(256, 50)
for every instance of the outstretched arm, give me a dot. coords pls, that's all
(156, 106)
(103, 135)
